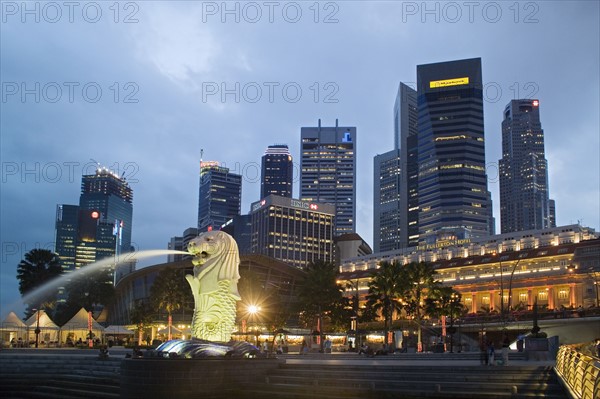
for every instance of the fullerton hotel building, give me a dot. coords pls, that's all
(557, 268)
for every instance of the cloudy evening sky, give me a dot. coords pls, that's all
(137, 86)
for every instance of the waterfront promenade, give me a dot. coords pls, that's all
(73, 373)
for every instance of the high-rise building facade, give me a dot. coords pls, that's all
(220, 197)
(328, 171)
(387, 225)
(396, 201)
(294, 231)
(111, 195)
(277, 172)
(406, 140)
(240, 228)
(454, 201)
(524, 197)
(99, 227)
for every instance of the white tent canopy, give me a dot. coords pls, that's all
(48, 330)
(13, 328)
(116, 330)
(78, 327)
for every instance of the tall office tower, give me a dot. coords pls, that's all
(406, 140)
(220, 196)
(277, 172)
(111, 195)
(454, 201)
(99, 227)
(294, 231)
(240, 228)
(328, 171)
(387, 211)
(552, 213)
(65, 239)
(524, 198)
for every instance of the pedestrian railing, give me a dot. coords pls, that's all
(579, 373)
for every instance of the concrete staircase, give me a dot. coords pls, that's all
(335, 381)
(58, 376)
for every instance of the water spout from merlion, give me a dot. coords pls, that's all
(214, 285)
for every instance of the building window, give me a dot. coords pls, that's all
(485, 300)
(563, 293)
(543, 295)
(523, 297)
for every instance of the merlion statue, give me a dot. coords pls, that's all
(214, 285)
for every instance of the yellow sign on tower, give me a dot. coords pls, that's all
(436, 84)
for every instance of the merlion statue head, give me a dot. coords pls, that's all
(216, 258)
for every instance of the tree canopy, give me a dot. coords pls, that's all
(38, 267)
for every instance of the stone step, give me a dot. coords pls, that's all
(291, 391)
(475, 356)
(370, 382)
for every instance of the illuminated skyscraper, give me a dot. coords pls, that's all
(396, 202)
(454, 201)
(387, 225)
(328, 171)
(294, 231)
(220, 197)
(277, 172)
(99, 227)
(524, 198)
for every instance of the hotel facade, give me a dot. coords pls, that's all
(557, 268)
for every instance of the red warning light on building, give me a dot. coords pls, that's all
(95, 214)
(535, 103)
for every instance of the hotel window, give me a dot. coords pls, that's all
(523, 297)
(505, 298)
(563, 293)
(485, 300)
(468, 300)
(543, 295)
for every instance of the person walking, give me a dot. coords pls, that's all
(505, 348)
(491, 353)
(483, 358)
(304, 347)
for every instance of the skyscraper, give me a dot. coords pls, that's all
(454, 201)
(220, 196)
(111, 195)
(97, 228)
(294, 231)
(396, 201)
(406, 131)
(277, 172)
(387, 226)
(524, 197)
(328, 171)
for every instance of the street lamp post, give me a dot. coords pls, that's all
(451, 329)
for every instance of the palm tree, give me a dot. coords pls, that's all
(319, 293)
(168, 292)
(141, 316)
(419, 283)
(37, 268)
(384, 292)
